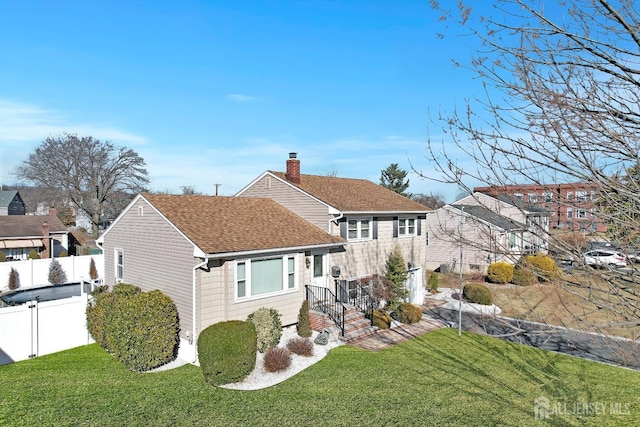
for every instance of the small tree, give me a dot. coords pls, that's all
(33, 254)
(304, 322)
(56, 273)
(14, 279)
(3, 258)
(397, 274)
(93, 272)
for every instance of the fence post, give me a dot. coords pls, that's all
(33, 307)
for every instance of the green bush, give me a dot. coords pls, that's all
(477, 293)
(33, 254)
(396, 272)
(268, 327)
(523, 274)
(433, 282)
(227, 351)
(277, 359)
(3, 257)
(500, 272)
(408, 313)
(381, 319)
(543, 266)
(140, 329)
(304, 322)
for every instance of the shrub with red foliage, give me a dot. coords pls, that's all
(277, 359)
(300, 346)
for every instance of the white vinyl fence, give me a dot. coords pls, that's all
(35, 272)
(35, 329)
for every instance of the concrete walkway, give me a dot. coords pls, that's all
(385, 338)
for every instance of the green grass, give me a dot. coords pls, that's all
(436, 379)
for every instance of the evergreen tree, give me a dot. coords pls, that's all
(56, 273)
(393, 178)
(14, 279)
(397, 274)
(304, 322)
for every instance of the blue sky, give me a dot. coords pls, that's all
(217, 92)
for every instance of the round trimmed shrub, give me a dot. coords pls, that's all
(543, 266)
(477, 293)
(268, 327)
(433, 282)
(227, 351)
(99, 311)
(500, 272)
(143, 330)
(381, 319)
(33, 254)
(408, 313)
(523, 274)
(3, 257)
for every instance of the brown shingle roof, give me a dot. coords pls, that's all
(354, 195)
(13, 226)
(219, 224)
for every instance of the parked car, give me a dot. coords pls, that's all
(604, 258)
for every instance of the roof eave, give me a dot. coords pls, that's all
(244, 254)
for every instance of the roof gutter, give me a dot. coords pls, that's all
(240, 254)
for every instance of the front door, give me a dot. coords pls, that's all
(319, 275)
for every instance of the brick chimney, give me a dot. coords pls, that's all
(293, 169)
(46, 241)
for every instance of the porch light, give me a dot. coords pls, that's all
(307, 262)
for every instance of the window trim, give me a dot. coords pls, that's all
(407, 227)
(358, 229)
(286, 277)
(118, 264)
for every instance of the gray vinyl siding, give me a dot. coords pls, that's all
(217, 303)
(296, 201)
(370, 256)
(156, 256)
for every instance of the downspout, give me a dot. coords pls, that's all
(193, 311)
(336, 220)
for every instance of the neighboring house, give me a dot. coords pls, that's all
(371, 218)
(483, 230)
(20, 234)
(573, 204)
(218, 258)
(11, 203)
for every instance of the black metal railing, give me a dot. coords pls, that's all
(323, 300)
(353, 293)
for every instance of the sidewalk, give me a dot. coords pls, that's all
(384, 338)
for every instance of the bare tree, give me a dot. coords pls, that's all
(560, 104)
(432, 200)
(91, 173)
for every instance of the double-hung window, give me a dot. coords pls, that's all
(119, 263)
(359, 228)
(406, 227)
(255, 277)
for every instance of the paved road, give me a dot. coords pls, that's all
(587, 345)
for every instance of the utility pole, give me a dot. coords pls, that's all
(217, 186)
(460, 284)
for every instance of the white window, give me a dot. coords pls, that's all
(518, 196)
(594, 195)
(359, 229)
(119, 263)
(581, 196)
(427, 237)
(547, 196)
(256, 277)
(569, 195)
(569, 213)
(533, 197)
(318, 265)
(406, 227)
(581, 213)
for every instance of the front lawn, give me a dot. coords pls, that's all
(436, 379)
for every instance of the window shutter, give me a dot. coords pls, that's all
(419, 226)
(395, 226)
(375, 228)
(343, 228)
